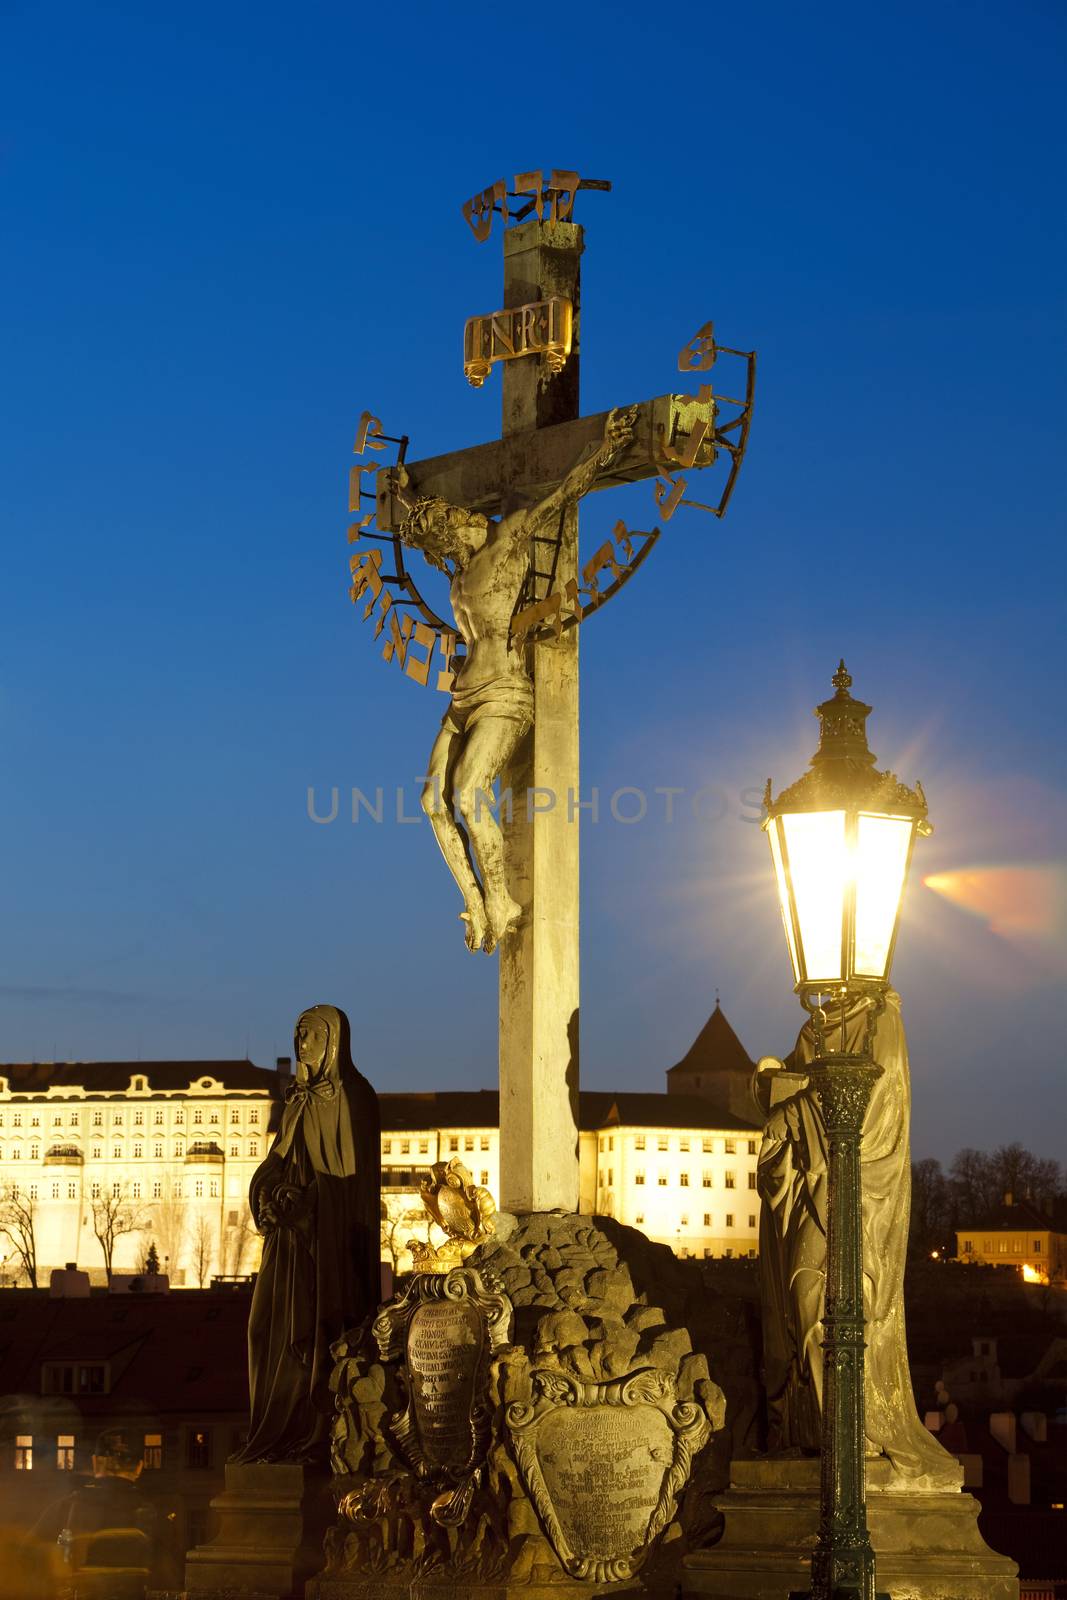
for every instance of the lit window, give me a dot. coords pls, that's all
(65, 1452)
(683, 1144)
(387, 1147)
(153, 1451)
(468, 1142)
(405, 1147)
(729, 1180)
(684, 1180)
(453, 1144)
(639, 1142)
(484, 1141)
(24, 1452)
(663, 1143)
(424, 1147)
(1037, 1247)
(730, 1146)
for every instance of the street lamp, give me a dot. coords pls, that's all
(841, 840)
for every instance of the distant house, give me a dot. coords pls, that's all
(1016, 1234)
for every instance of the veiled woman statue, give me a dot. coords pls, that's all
(315, 1198)
(792, 1181)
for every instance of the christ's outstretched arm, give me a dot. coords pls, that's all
(618, 431)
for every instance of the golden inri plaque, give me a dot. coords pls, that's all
(542, 328)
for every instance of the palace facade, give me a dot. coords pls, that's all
(172, 1146)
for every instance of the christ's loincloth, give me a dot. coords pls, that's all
(509, 696)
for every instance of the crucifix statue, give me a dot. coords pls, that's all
(501, 520)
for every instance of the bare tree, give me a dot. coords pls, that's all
(932, 1210)
(237, 1238)
(168, 1224)
(203, 1245)
(114, 1214)
(400, 1226)
(18, 1215)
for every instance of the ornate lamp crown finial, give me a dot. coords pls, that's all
(842, 678)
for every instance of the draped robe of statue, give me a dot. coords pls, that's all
(792, 1181)
(316, 1199)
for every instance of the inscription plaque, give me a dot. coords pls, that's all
(441, 1334)
(445, 1347)
(603, 1464)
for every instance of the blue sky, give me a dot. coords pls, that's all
(230, 229)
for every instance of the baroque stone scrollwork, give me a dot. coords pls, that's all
(442, 1335)
(604, 1462)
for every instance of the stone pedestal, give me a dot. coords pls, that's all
(927, 1545)
(272, 1519)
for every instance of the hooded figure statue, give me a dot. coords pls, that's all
(792, 1181)
(316, 1199)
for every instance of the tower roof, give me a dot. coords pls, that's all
(716, 1048)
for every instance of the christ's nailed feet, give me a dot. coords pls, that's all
(504, 917)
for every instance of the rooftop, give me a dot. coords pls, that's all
(597, 1108)
(716, 1048)
(113, 1077)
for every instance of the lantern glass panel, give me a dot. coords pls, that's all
(881, 861)
(819, 868)
(783, 895)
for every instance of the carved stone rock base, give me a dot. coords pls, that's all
(272, 1517)
(927, 1544)
(350, 1588)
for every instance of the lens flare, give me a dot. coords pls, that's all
(1025, 904)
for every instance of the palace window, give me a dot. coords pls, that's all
(729, 1180)
(153, 1451)
(484, 1179)
(662, 1180)
(65, 1452)
(707, 1219)
(198, 1188)
(752, 1180)
(138, 1119)
(24, 1452)
(253, 1146)
(968, 1246)
(33, 1191)
(752, 1219)
(179, 1148)
(707, 1252)
(57, 1120)
(387, 1147)
(177, 1188)
(214, 1116)
(730, 1146)
(600, 1144)
(468, 1142)
(235, 1149)
(72, 1191)
(639, 1218)
(95, 1191)
(157, 1149)
(198, 1115)
(16, 1120)
(1037, 1247)
(405, 1147)
(98, 1151)
(136, 1191)
(157, 1189)
(253, 1116)
(138, 1151)
(752, 1147)
(75, 1118)
(639, 1142)
(214, 1188)
(663, 1143)
(611, 1142)
(684, 1180)
(158, 1118)
(453, 1144)
(235, 1116)
(35, 1151)
(179, 1116)
(706, 1180)
(729, 1219)
(424, 1147)
(116, 1188)
(55, 1191)
(611, 1175)
(117, 1119)
(639, 1178)
(98, 1117)
(683, 1144)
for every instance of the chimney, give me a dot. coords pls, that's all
(284, 1066)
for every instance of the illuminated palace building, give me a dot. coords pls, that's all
(169, 1148)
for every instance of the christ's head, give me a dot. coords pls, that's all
(444, 533)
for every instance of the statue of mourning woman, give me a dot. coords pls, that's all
(792, 1181)
(316, 1200)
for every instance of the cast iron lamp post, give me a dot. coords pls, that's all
(841, 840)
